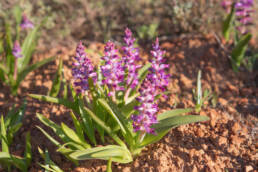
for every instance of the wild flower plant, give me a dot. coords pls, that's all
(15, 58)
(119, 99)
(9, 126)
(238, 20)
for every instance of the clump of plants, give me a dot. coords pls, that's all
(10, 125)
(16, 49)
(237, 24)
(114, 105)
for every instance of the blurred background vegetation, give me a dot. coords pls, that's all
(100, 20)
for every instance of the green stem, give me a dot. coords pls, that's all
(109, 165)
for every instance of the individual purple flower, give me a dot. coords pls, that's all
(147, 109)
(131, 55)
(26, 23)
(112, 70)
(226, 5)
(16, 51)
(82, 69)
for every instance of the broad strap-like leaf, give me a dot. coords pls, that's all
(27, 153)
(56, 128)
(227, 24)
(17, 12)
(55, 142)
(110, 111)
(4, 141)
(103, 125)
(239, 50)
(175, 121)
(172, 113)
(28, 46)
(117, 153)
(78, 126)
(73, 136)
(56, 84)
(18, 162)
(13, 117)
(151, 138)
(9, 45)
(167, 123)
(49, 164)
(87, 122)
(65, 102)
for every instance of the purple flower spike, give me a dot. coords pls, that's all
(16, 51)
(156, 80)
(243, 13)
(26, 23)
(112, 70)
(130, 58)
(82, 69)
(157, 75)
(147, 110)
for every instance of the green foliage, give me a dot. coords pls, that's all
(228, 24)
(198, 96)
(49, 165)
(238, 52)
(57, 80)
(97, 114)
(9, 126)
(12, 70)
(147, 32)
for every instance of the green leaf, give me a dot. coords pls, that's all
(102, 124)
(23, 73)
(18, 17)
(150, 138)
(28, 46)
(65, 91)
(167, 122)
(5, 156)
(27, 154)
(227, 24)
(142, 73)
(57, 80)
(171, 122)
(73, 136)
(78, 127)
(55, 142)
(65, 102)
(239, 51)
(87, 123)
(11, 131)
(17, 14)
(19, 163)
(107, 108)
(10, 59)
(72, 145)
(49, 164)
(56, 128)
(172, 113)
(3, 136)
(3, 68)
(117, 153)
(14, 117)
